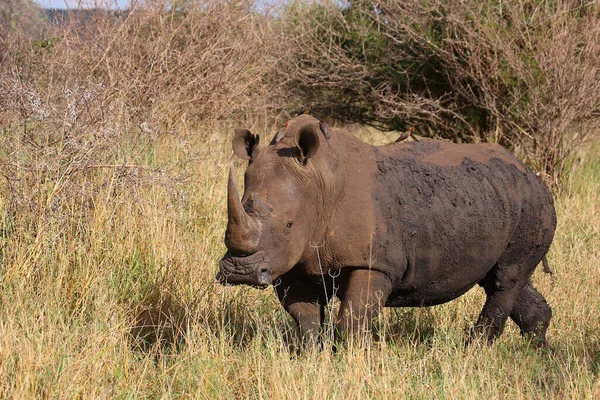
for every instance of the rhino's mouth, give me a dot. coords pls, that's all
(252, 270)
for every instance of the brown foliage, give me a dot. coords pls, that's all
(535, 68)
(523, 73)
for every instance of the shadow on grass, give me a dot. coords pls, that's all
(162, 320)
(413, 325)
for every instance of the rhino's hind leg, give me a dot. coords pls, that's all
(532, 314)
(502, 285)
(510, 293)
(497, 308)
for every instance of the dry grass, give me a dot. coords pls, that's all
(112, 213)
(76, 286)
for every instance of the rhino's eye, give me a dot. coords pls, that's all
(289, 224)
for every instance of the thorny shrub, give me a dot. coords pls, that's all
(95, 90)
(104, 116)
(22, 13)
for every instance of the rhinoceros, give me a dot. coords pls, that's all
(405, 225)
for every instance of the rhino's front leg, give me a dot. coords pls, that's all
(364, 294)
(300, 298)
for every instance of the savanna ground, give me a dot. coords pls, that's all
(75, 292)
(112, 224)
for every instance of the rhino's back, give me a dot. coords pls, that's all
(446, 213)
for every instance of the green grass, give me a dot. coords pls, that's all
(107, 290)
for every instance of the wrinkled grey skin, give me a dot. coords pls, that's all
(412, 224)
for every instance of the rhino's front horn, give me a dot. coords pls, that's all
(242, 234)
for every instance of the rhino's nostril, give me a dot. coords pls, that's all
(264, 276)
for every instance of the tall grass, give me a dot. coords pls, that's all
(112, 215)
(116, 297)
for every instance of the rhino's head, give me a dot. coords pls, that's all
(270, 228)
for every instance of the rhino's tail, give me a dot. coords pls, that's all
(547, 269)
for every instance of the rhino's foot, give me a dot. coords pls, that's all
(532, 314)
(487, 328)
(525, 306)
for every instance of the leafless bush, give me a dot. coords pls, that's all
(25, 14)
(98, 89)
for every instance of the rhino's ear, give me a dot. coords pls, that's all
(307, 141)
(244, 143)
